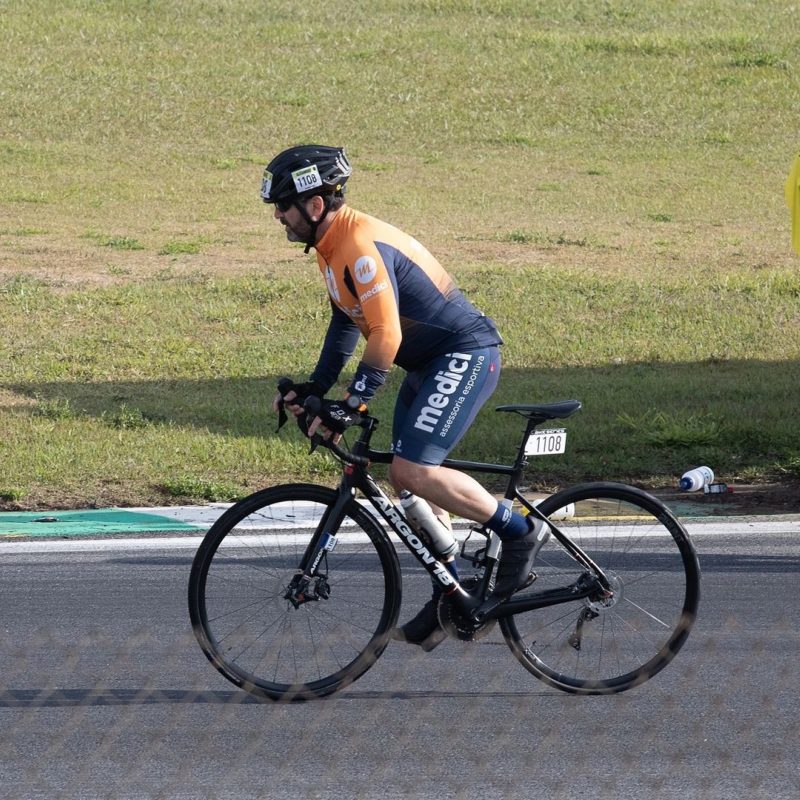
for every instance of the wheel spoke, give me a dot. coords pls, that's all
(240, 608)
(609, 644)
(644, 611)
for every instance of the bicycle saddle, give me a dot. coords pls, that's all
(545, 410)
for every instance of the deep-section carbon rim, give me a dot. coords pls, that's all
(253, 635)
(608, 644)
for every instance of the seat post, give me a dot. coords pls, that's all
(522, 461)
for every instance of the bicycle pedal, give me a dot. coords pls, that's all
(478, 558)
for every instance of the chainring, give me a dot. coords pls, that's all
(456, 623)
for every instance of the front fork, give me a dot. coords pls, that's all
(310, 583)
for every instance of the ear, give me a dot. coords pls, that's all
(317, 207)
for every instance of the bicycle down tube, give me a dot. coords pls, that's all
(324, 537)
(398, 523)
(358, 477)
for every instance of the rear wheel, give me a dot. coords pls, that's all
(605, 644)
(270, 637)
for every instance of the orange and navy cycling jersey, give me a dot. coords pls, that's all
(386, 286)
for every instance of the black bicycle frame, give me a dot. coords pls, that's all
(515, 473)
(355, 477)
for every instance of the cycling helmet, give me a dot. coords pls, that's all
(303, 171)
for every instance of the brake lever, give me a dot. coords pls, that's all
(316, 441)
(285, 385)
(312, 405)
(282, 418)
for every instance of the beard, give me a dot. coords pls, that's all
(297, 233)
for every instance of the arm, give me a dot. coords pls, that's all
(375, 285)
(340, 342)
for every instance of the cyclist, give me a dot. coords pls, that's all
(386, 286)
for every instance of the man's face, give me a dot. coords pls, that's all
(297, 229)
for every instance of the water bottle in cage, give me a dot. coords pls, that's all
(425, 522)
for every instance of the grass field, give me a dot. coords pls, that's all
(604, 179)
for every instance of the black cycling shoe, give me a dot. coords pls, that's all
(423, 630)
(516, 560)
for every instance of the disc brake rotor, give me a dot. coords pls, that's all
(602, 604)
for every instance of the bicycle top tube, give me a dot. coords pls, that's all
(386, 456)
(535, 414)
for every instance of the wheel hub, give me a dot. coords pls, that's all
(602, 604)
(302, 589)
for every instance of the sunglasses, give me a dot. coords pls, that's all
(284, 205)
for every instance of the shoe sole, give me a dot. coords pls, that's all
(433, 639)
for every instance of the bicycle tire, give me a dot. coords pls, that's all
(253, 635)
(591, 646)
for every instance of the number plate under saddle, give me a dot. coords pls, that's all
(547, 442)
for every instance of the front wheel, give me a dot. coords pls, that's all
(608, 643)
(267, 633)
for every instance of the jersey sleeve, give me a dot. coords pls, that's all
(340, 342)
(376, 289)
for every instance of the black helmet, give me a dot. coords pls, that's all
(303, 171)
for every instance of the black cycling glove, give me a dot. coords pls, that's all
(302, 391)
(339, 415)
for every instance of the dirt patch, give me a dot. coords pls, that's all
(741, 500)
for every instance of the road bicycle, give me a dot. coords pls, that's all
(295, 589)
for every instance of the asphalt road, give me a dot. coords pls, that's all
(105, 694)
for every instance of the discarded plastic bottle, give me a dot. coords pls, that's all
(560, 514)
(421, 516)
(696, 479)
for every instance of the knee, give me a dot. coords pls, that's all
(409, 476)
(397, 475)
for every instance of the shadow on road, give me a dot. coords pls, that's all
(71, 698)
